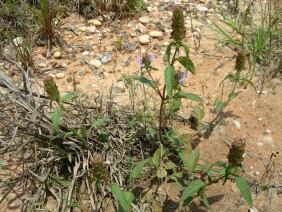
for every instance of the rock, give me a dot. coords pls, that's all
(144, 20)
(127, 63)
(105, 74)
(95, 63)
(85, 53)
(150, 9)
(201, 8)
(129, 25)
(133, 34)
(92, 29)
(18, 41)
(95, 22)
(95, 87)
(121, 86)
(82, 29)
(160, 26)
(211, 10)
(69, 79)
(237, 124)
(267, 139)
(156, 34)
(107, 58)
(57, 55)
(60, 75)
(156, 46)
(156, 14)
(144, 39)
(82, 73)
(161, 38)
(42, 65)
(87, 47)
(141, 28)
(253, 209)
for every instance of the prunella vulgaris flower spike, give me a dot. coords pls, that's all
(51, 88)
(240, 61)
(235, 156)
(178, 25)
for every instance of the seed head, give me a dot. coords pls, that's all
(178, 25)
(240, 61)
(51, 88)
(235, 156)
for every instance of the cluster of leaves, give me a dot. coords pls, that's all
(259, 40)
(174, 158)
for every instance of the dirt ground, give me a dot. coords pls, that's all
(256, 118)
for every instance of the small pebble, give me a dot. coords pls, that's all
(60, 75)
(57, 55)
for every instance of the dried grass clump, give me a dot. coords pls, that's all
(40, 164)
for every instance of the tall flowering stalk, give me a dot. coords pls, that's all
(178, 25)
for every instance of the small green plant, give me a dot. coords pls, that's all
(119, 43)
(47, 20)
(259, 40)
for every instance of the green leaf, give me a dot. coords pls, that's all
(192, 160)
(138, 168)
(161, 172)
(187, 63)
(61, 135)
(169, 80)
(98, 122)
(151, 132)
(130, 197)
(198, 112)
(192, 189)
(170, 165)
(167, 52)
(219, 163)
(233, 95)
(56, 118)
(144, 80)
(219, 107)
(248, 82)
(187, 201)
(104, 135)
(67, 96)
(124, 198)
(190, 96)
(158, 156)
(205, 201)
(176, 104)
(244, 189)
(228, 77)
(228, 171)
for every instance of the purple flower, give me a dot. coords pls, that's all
(145, 60)
(183, 75)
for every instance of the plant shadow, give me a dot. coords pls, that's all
(172, 206)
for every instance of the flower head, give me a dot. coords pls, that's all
(51, 88)
(146, 60)
(178, 24)
(182, 77)
(240, 61)
(235, 156)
